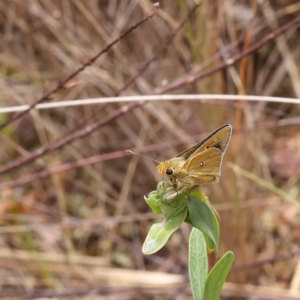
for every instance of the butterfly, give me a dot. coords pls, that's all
(199, 164)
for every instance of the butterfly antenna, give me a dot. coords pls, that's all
(131, 152)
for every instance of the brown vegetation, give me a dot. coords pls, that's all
(73, 217)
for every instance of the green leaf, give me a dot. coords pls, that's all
(217, 276)
(173, 206)
(196, 191)
(159, 233)
(171, 209)
(154, 202)
(202, 216)
(210, 245)
(198, 264)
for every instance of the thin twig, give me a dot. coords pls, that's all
(70, 138)
(118, 154)
(121, 111)
(263, 261)
(61, 84)
(193, 78)
(96, 125)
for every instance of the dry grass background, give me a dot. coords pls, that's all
(78, 234)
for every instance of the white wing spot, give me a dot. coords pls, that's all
(201, 164)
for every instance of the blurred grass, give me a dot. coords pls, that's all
(44, 41)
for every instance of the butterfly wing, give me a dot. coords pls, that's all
(208, 161)
(204, 167)
(218, 139)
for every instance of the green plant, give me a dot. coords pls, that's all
(191, 206)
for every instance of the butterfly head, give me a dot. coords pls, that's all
(164, 168)
(167, 170)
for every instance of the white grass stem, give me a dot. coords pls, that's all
(92, 101)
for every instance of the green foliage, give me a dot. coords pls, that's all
(217, 277)
(202, 216)
(206, 287)
(173, 206)
(159, 233)
(191, 206)
(153, 201)
(198, 264)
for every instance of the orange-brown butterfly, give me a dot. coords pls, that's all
(200, 164)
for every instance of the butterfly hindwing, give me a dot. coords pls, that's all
(207, 162)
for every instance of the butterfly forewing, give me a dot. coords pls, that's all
(218, 139)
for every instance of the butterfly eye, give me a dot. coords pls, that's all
(169, 171)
